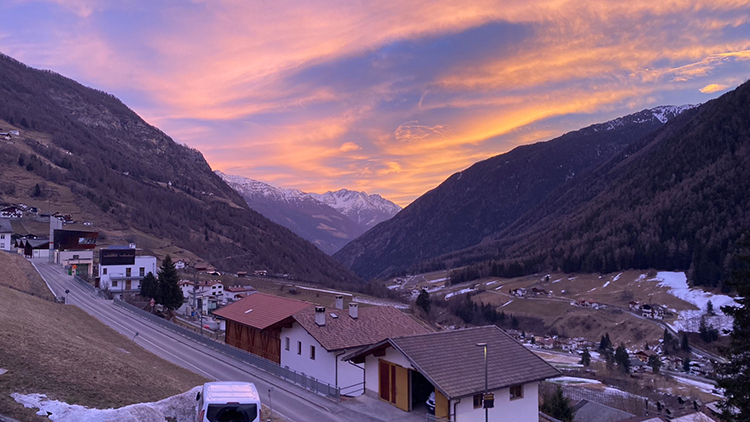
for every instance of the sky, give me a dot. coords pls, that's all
(387, 97)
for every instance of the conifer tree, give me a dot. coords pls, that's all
(654, 363)
(586, 358)
(734, 376)
(169, 293)
(622, 359)
(149, 286)
(685, 344)
(558, 406)
(423, 301)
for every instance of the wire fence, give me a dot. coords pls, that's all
(291, 375)
(619, 400)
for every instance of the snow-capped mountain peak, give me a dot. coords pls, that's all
(359, 206)
(252, 187)
(661, 113)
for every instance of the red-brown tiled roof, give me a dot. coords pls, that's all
(374, 324)
(261, 310)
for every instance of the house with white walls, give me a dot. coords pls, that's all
(6, 231)
(454, 366)
(204, 288)
(319, 338)
(121, 269)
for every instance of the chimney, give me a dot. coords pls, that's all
(354, 310)
(320, 316)
(340, 302)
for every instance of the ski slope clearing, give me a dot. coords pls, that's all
(678, 287)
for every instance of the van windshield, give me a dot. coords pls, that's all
(232, 412)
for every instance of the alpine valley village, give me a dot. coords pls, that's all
(410, 212)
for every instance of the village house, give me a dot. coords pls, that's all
(6, 233)
(254, 323)
(11, 212)
(311, 339)
(653, 311)
(236, 293)
(213, 288)
(74, 249)
(121, 269)
(319, 337)
(404, 371)
(34, 248)
(644, 355)
(181, 264)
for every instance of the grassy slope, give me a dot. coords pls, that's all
(64, 353)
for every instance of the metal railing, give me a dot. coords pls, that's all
(273, 368)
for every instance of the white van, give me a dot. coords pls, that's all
(228, 401)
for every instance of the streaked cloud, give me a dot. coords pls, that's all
(387, 97)
(711, 88)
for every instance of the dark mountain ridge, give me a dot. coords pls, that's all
(678, 199)
(139, 179)
(481, 201)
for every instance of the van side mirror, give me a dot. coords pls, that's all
(198, 396)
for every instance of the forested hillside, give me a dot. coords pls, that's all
(90, 143)
(679, 199)
(486, 198)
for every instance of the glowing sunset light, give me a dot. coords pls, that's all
(384, 97)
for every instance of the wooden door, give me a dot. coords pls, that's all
(394, 384)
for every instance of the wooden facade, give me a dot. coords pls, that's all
(264, 343)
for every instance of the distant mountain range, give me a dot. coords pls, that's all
(479, 204)
(329, 220)
(83, 151)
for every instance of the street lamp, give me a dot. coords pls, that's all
(484, 397)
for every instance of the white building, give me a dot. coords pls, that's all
(213, 288)
(406, 370)
(120, 270)
(319, 338)
(6, 231)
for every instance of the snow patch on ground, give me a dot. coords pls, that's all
(498, 288)
(574, 380)
(438, 280)
(394, 287)
(617, 277)
(605, 284)
(506, 303)
(703, 386)
(557, 281)
(180, 407)
(380, 302)
(460, 292)
(492, 282)
(689, 320)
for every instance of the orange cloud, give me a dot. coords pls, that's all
(711, 88)
(349, 146)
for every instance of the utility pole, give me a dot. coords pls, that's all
(484, 397)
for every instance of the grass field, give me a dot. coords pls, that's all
(61, 351)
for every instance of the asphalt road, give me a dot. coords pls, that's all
(289, 401)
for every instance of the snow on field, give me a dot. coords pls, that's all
(438, 280)
(703, 386)
(605, 285)
(690, 320)
(498, 288)
(557, 281)
(574, 380)
(492, 282)
(592, 289)
(394, 287)
(434, 289)
(180, 408)
(460, 292)
(617, 277)
(506, 303)
(380, 302)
